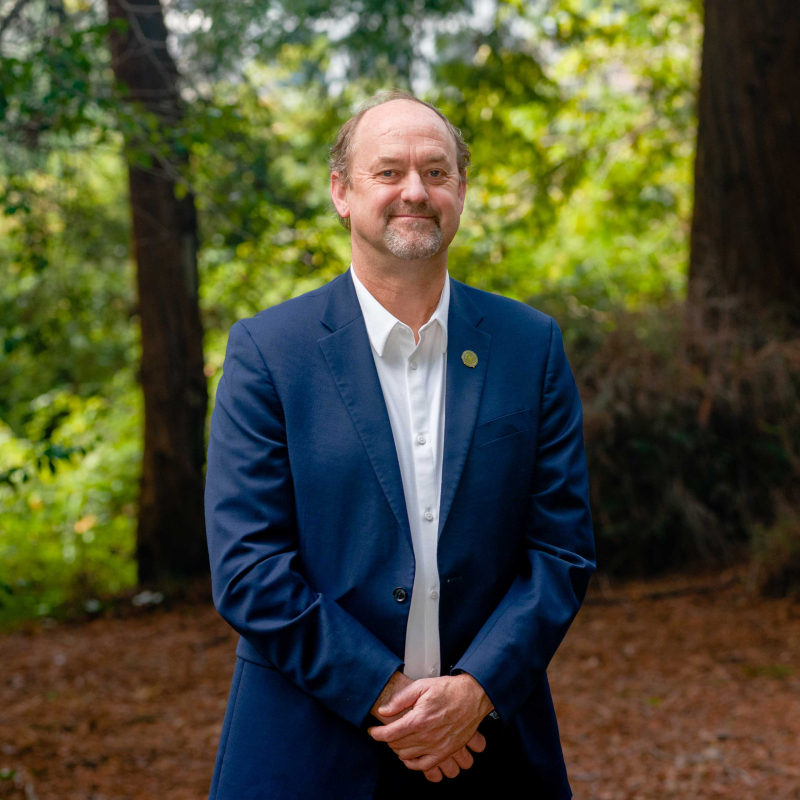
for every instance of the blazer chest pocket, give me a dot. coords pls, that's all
(500, 427)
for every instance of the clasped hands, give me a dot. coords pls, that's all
(432, 723)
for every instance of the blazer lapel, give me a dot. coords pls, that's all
(349, 356)
(463, 389)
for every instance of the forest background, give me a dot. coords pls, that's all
(582, 116)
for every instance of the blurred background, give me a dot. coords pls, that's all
(635, 174)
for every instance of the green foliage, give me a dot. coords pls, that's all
(373, 42)
(56, 86)
(67, 531)
(580, 115)
(583, 143)
(67, 300)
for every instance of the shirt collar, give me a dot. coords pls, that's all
(380, 322)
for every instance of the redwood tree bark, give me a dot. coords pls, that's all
(171, 542)
(745, 238)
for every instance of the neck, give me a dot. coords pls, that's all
(409, 290)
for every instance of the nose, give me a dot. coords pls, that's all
(414, 190)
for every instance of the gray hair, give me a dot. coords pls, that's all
(341, 151)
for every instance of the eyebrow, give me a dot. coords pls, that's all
(438, 159)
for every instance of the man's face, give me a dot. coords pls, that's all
(406, 195)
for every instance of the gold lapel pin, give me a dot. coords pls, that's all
(469, 358)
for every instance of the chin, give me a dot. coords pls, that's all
(413, 247)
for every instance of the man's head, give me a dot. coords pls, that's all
(398, 177)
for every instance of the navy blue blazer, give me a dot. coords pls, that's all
(309, 538)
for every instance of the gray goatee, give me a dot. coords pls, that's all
(413, 239)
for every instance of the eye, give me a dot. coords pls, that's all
(437, 171)
(387, 173)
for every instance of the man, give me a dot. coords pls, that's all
(397, 506)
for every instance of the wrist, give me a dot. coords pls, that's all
(482, 701)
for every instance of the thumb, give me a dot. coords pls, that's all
(405, 698)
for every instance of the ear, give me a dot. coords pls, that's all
(339, 195)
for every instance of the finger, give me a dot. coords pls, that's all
(434, 775)
(412, 747)
(405, 698)
(386, 720)
(419, 736)
(426, 762)
(464, 758)
(423, 740)
(449, 767)
(407, 753)
(395, 731)
(477, 743)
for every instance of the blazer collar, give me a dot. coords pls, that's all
(343, 307)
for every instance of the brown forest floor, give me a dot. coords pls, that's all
(662, 689)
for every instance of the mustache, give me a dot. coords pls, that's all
(421, 211)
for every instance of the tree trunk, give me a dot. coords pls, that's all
(171, 543)
(745, 238)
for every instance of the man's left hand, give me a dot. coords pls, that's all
(445, 717)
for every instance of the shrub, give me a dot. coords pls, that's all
(775, 568)
(690, 434)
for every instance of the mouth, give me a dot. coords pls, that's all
(411, 216)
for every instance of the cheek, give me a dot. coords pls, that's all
(447, 201)
(373, 203)
(447, 196)
(374, 199)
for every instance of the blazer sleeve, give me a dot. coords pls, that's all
(257, 581)
(510, 653)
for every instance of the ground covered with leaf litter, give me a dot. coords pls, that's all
(680, 688)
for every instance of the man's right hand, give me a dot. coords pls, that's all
(450, 767)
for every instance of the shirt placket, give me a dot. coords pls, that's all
(426, 582)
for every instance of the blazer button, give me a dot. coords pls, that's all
(400, 594)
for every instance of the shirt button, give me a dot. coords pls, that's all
(434, 672)
(434, 595)
(412, 364)
(428, 516)
(421, 439)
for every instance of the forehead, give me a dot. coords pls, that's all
(401, 129)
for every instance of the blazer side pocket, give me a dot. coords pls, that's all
(500, 427)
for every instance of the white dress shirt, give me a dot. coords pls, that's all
(412, 378)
